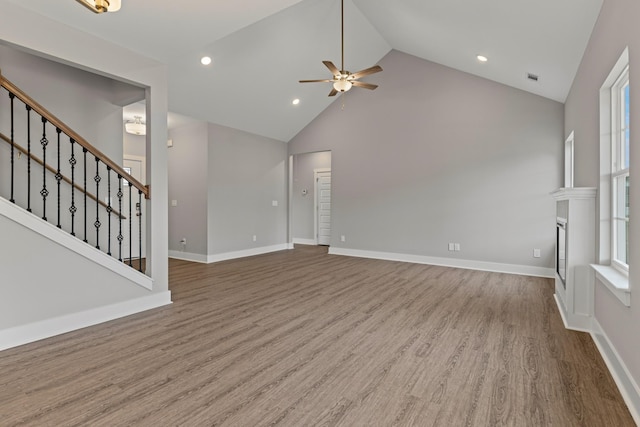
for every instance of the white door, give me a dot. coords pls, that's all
(323, 207)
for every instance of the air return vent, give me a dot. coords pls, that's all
(532, 77)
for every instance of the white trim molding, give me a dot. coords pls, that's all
(628, 387)
(53, 233)
(614, 281)
(25, 334)
(225, 256)
(297, 241)
(524, 270)
(188, 256)
(247, 252)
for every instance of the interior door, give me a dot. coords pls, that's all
(323, 207)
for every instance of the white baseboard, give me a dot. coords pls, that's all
(188, 256)
(53, 233)
(247, 252)
(297, 241)
(626, 384)
(24, 334)
(524, 270)
(574, 322)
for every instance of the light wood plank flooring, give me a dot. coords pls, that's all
(302, 338)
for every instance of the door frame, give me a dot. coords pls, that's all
(315, 200)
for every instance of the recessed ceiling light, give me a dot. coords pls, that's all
(205, 60)
(295, 101)
(482, 58)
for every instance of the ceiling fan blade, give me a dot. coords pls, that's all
(334, 70)
(314, 81)
(333, 92)
(366, 72)
(364, 85)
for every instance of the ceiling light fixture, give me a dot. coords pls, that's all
(295, 101)
(343, 84)
(136, 127)
(100, 6)
(205, 60)
(482, 58)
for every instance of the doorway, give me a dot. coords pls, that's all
(304, 221)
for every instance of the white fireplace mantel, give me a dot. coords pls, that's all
(575, 298)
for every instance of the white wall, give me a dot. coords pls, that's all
(435, 156)
(615, 29)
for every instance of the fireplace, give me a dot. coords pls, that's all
(561, 250)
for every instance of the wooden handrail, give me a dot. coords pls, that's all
(73, 135)
(64, 178)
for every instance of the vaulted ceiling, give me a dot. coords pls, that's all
(260, 49)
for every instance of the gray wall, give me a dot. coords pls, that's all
(435, 156)
(246, 173)
(188, 180)
(302, 211)
(615, 29)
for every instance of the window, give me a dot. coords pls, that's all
(620, 171)
(612, 269)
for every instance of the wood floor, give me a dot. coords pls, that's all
(302, 338)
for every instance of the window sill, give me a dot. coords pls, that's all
(615, 281)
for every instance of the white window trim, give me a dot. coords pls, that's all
(609, 272)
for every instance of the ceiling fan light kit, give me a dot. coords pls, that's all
(344, 80)
(101, 6)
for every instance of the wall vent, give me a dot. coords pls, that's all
(532, 77)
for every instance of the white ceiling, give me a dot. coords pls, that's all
(260, 49)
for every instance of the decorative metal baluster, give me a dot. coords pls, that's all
(139, 213)
(109, 210)
(44, 192)
(130, 230)
(58, 175)
(97, 224)
(28, 158)
(120, 237)
(73, 209)
(12, 200)
(84, 151)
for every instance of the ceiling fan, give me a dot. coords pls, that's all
(342, 79)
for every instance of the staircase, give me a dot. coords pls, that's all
(73, 226)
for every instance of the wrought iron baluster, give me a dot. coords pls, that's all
(130, 230)
(120, 237)
(12, 199)
(139, 213)
(109, 210)
(73, 209)
(58, 175)
(84, 151)
(97, 224)
(44, 192)
(28, 158)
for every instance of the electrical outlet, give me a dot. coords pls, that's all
(274, 203)
(343, 238)
(457, 247)
(255, 238)
(536, 253)
(452, 247)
